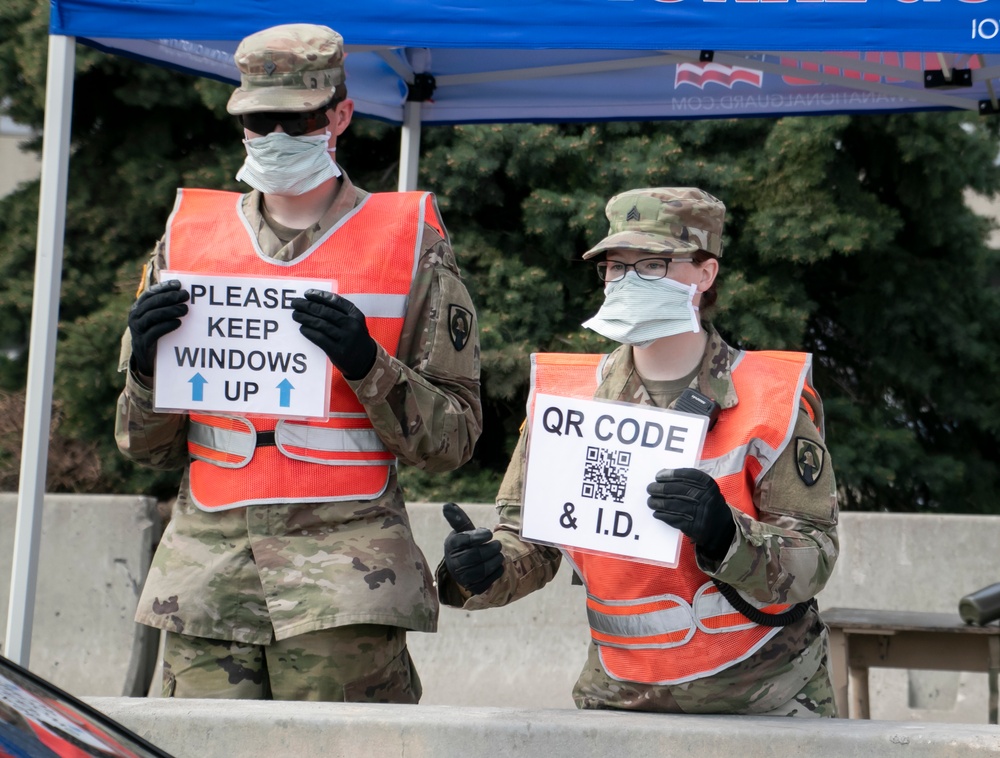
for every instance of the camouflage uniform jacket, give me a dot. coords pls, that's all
(274, 571)
(784, 556)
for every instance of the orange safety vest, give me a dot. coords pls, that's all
(660, 625)
(253, 459)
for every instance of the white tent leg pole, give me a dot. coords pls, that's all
(409, 147)
(42, 346)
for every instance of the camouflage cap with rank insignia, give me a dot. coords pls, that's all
(664, 220)
(292, 67)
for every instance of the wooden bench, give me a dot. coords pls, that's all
(864, 639)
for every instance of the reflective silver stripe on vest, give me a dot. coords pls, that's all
(733, 461)
(378, 305)
(684, 617)
(654, 623)
(328, 440)
(709, 604)
(311, 438)
(223, 441)
(600, 370)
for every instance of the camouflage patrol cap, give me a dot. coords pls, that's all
(292, 67)
(665, 220)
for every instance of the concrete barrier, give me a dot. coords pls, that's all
(96, 549)
(917, 562)
(525, 655)
(93, 557)
(226, 728)
(529, 654)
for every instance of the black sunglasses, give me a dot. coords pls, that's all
(293, 124)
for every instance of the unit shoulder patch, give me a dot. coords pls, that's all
(809, 459)
(459, 326)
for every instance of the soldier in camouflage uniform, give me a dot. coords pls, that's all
(306, 600)
(782, 555)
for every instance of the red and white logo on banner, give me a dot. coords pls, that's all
(700, 74)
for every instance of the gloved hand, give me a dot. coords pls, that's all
(471, 555)
(336, 325)
(690, 500)
(157, 312)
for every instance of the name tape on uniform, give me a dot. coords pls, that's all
(238, 350)
(589, 463)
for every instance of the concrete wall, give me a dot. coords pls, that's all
(989, 207)
(901, 562)
(530, 653)
(93, 558)
(527, 655)
(15, 166)
(222, 729)
(486, 673)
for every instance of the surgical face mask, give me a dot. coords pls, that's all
(638, 311)
(279, 164)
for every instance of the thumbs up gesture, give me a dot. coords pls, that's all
(471, 555)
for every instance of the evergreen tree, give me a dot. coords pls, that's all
(847, 236)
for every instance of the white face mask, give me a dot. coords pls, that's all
(279, 164)
(638, 311)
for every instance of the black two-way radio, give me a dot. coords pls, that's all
(692, 401)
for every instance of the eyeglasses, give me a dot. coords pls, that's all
(293, 124)
(648, 268)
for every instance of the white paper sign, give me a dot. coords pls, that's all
(589, 463)
(239, 351)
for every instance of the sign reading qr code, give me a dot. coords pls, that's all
(589, 462)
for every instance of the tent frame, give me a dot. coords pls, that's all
(41, 346)
(942, 89)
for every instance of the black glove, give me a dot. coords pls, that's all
(690, 500)
(471, 555)
(157, 312)
(336, 325)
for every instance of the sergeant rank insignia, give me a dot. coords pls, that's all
(809, 458)
(459, 326)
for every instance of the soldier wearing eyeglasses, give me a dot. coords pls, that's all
(291, 572)
(733, 627)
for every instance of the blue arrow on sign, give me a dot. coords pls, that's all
(286, 388)
(197, 383)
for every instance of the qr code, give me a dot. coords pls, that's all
(605, 474)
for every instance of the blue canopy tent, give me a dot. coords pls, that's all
(461, 61)
(590, 60)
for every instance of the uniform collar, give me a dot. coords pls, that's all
(715, 379)
(348, 196)
(621, 382)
